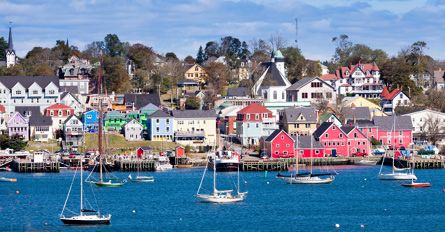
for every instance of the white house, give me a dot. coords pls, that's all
(423, 119)
(311, 89)
(133, 131)
(390, 100)
(41, 91)
(70, 100)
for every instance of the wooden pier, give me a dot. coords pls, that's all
(28, 166)
(418, 163)
(133, 165)
(284, 164)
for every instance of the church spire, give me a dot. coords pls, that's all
(10, 44)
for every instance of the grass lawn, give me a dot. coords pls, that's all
(50, 146)
(118, 144)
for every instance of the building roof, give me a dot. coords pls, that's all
(292, 114)
(326, 116)
(360, 123)
(141, 100)
(272, 76)
(187, 82)
(439, 76)
(159, 114)
(133, 121)
(113, 114)
(27, 81)
(58, 106)
(149, 107)
(304, 141)
(390, 95)
(69, 89)
(299, 84)
(273, 135)
(347, 128)
(35, 116)
(230, 111)
(10, 44)
(254, 108)
(357, 113)
(193, 114)
(70, 117)
(387, 122)
(322, 128)
(238, 92)
(329, 77)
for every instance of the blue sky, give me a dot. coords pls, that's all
(182, 26)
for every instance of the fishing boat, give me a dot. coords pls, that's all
(308, 177)
(397, 173)
(226, 161)
(220, 196)
(110, 182)
(4, 179)
(162, 163)
(414, 184)
(85, 216)
(139, 178)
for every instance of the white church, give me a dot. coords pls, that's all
(11, 58)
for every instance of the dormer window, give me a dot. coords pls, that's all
(197, 68)
(72, 71)
(52, 92)
(60, 113)
(347, 73)
(18, 92)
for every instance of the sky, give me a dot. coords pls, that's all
(181, 26)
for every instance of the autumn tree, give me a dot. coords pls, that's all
(342, 50)
(192, 103)
(142, 56)
(433, 128)
(218, 76)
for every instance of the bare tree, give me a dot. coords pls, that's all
(277, 42)
(433, 128)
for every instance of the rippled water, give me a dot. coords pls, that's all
(355, 198)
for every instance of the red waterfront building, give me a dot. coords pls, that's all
(279, 144)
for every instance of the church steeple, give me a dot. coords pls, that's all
(10, 53)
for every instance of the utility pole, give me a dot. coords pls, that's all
(296, 32)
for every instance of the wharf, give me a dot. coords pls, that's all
(284, 164)
(418, 163)
(29, 166)
(133, 165)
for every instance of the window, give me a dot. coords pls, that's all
(18, 92)
(326, 135)
(340, 135)
(274, 94)
(278, 145)
(369, 130)
(328, 95)
(303, 95)
(257, 117)
(334, 128)
(167, 121)
(51, 113)
(287, 145)
(59, 113)
(282, 95)
(316, 84)
(248, 116)
(257, 125)
(157, 121)
(167, 129)
(355, 135)
(349, 143)
(317, 151)
(308, 125)
(35, 92)
(52, 92)
(180, 122)
(157, 129)
(282, 137)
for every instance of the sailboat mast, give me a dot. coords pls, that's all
(394, 146)
(81, 187)
(238, 180)
(100, 91)
(297, 153)
(311, 154)
(214, 172)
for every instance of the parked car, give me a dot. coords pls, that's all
(359, 154)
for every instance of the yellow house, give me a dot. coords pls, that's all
(299, 120)
(375, 109)
(196, 128)
(196, 72)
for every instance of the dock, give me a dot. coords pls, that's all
(284, 164)
(29, 166)
(133, 165)
(418, 163)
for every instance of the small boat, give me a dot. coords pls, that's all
(108, 183)
(143, 179)
(397, 176)
(4, 179)
(417, 185)
(310, 179)
(364, 162)
(163, 164)
(184, 166)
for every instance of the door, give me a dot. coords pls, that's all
(334, 153)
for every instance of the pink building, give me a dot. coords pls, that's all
(304, 147)
(278, 145)
(357, 141)
(396, 131)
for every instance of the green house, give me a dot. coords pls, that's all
(114, 120)
(138, 116)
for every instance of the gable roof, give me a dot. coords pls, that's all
(64, 94)
(361, 123)
(141, 100)
(58, 106)
(149, 106)
(69, 89)
(27, 81)
(292, 113)
(322, 128)
(254, 108)
(304, 142)
(70, 117)
(159, 114)
(299, 84)
(35, 116)
(238, 92)
(329, 77)
(273, 77)
(358, 113)
(193, 113)
(347, 128)
(133, 121)
(387, 122)
(326, 116)
(274, 134)
(390, 95)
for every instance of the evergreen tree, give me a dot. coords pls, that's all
(200, 57)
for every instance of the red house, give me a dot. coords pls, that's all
(143, 151)
(357, 141)
(179, 151)
(278, 145)
(59, 110)
(305, 149)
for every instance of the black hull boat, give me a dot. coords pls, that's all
(225, 167)
(87, 220)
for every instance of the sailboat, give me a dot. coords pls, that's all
(310, 177)
(139, 178)
(414, 184)
(85, 216)
(397, 173)
(219, 196)
(102, 182)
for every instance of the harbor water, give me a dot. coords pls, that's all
(357, 201)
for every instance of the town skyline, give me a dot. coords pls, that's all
(183, 26)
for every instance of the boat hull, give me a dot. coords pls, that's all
(219, 199)
(366, 163)
(225, 166)
(4, 179)
(87, 220)
(397, 176)
(108, 184)
(184, 166)
(308, 180)
(417, 185)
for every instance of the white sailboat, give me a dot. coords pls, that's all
(397, 173)
(220, 196)
(85, 216)
(309, 178)
(139, 178)
(413, 183)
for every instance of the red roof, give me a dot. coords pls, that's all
(2, 109)
(363, 67)
(385, 92)
(346, 85)
(329, 77)
(254, 108)
(58, 106)
(390, 95)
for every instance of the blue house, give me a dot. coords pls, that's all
(160, 126)
(90, 121)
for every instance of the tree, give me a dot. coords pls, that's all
(433, 128)
(343, 49)
(189, 60)
(232, 50)
(14, 142)
(3, 47)
(200, 57)
(211, 49)
(396, 72)
(142, 56)
(115, 75)
(113, 45)
(277, 42)
(61, 50)
(192, 103)
(94, 49)
(218, 76)
(295, 63)
(171, 56)
(312, 68)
